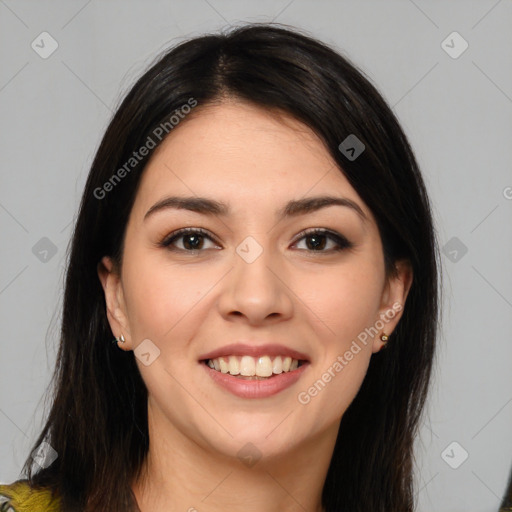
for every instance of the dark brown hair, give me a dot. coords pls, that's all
(98, 417)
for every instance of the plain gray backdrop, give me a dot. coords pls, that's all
(455, 104)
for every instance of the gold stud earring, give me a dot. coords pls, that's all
(384, 337)
(119, 339)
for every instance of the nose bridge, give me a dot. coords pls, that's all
(256, 289)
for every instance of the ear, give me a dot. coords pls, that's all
(393, 301)
(114, 298)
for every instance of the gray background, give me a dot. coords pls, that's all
(456, 111)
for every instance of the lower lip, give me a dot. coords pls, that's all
(245, 388)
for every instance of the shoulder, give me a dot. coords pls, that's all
(20, 497)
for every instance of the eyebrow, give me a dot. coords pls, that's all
(294, 208)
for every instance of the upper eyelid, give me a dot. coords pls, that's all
(186, 231)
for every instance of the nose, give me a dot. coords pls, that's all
(256, 291)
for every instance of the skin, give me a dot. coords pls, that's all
(189, 303)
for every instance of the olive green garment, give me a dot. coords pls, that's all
(20, 497)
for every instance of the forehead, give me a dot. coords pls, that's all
(239, 153)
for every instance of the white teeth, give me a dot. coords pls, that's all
(264, 367)
(277, 366)
(223, 365)
(234, 365)
(248, 366)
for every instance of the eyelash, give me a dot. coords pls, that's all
(342, 242)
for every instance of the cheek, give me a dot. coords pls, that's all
(345, 298)
(347, 306)
(161, 297)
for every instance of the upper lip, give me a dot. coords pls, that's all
(243, 349)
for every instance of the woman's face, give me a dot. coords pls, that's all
(251, 286)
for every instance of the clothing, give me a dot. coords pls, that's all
(20, 497)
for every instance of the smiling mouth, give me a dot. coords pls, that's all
(254, 368)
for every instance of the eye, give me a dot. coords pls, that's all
(193, 239)
(319, 237)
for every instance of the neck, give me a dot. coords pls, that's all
(181, 474)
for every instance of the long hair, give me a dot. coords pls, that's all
(97, 422)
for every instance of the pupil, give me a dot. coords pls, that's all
(316, 244)
(195, 241)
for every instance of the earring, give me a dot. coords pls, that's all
(384, 337)
(120, 338)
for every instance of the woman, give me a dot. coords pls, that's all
(253, 233)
